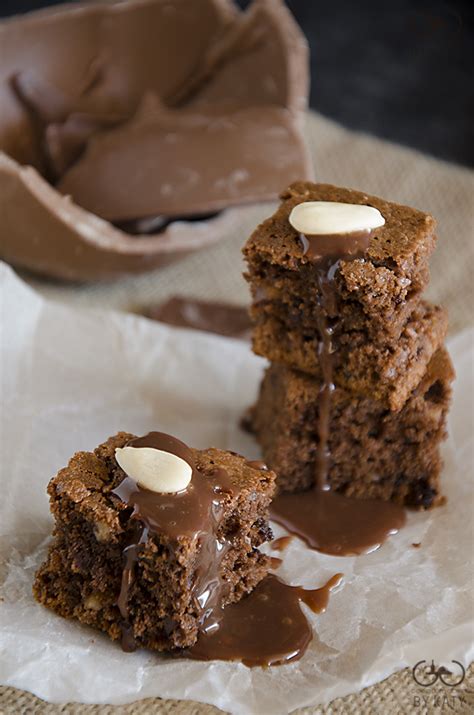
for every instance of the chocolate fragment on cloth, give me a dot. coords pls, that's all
(76, 80)
(211, 316)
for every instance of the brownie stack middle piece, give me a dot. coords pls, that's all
(359, 381)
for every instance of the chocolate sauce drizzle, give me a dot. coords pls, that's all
(275, 562)
(281, 543)
(325, 520)
(267, 627)
(195, 512)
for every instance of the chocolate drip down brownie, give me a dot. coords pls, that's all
(153, 563)
(389, 370)
(374, 452)
(356, 397)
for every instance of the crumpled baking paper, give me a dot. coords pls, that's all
(71, 378)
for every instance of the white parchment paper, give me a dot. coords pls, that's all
(71, 378)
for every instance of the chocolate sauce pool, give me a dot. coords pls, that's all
(325, 520)
(335, 524)
(267, 627)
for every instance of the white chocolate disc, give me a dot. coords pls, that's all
(154, 469)
(315, 218)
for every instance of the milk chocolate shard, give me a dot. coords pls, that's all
(69, 74)
(191, 161)
(46, 232)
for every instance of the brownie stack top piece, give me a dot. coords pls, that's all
(383, 334)
(377, 287)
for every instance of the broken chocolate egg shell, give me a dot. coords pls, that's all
(97, 63)
(47, 233)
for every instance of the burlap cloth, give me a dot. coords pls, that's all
(349, 159)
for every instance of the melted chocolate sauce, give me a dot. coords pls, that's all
(325, 520)
(345, 246)
(130, 557)
(267, 627)
(275, 562)
(335, 524)
(213, 317)
(326, 253)
(195, 512)
(282, 543)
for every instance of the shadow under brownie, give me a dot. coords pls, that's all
(375, 453)
(83, 575)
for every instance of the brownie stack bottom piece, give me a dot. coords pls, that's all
(375, 453)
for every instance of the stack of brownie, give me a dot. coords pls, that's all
(391, 374)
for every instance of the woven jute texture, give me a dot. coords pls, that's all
(348, 159)
(398, 695)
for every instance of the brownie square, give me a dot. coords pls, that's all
(375, 453)
(83, 574)
(376, 301)
(375, 293)
(388, 370)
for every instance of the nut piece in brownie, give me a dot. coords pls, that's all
(389, 371)
(151, 551)
(374, 452)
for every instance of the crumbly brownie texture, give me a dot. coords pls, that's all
(374, 294)
(388, 371)
(374, 452)
(81, 578)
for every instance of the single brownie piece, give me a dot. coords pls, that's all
(373, 452)
(389, 370)
(150, 567)
(375, 293)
